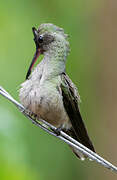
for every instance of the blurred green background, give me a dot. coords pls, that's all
(27, 152)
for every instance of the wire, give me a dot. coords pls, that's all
(62, 135)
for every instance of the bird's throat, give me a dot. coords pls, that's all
(54, 65)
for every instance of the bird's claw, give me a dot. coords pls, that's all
(57, 130)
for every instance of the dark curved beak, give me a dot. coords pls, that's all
(35, 33)
(37, 53)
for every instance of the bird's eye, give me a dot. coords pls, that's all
(40, 40)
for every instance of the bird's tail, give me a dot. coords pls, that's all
(71, 133)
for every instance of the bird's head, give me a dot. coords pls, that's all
(49, 39)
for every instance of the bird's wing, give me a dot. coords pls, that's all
(70, 101)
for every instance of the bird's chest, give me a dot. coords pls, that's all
(49, 98)
(45, 100)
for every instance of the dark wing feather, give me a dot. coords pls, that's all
(70, 100)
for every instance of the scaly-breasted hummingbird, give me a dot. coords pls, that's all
(48, 92)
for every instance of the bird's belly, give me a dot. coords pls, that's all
(51, 109)
(47, 104)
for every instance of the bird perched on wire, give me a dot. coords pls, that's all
(48, 92)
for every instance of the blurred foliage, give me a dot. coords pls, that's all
(26, 152)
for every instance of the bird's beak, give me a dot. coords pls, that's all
(37, 53)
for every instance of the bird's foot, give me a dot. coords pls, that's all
(57, 130)
(31, 114)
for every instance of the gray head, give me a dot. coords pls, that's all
(49, 38)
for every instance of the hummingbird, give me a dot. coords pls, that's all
(48, 92)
